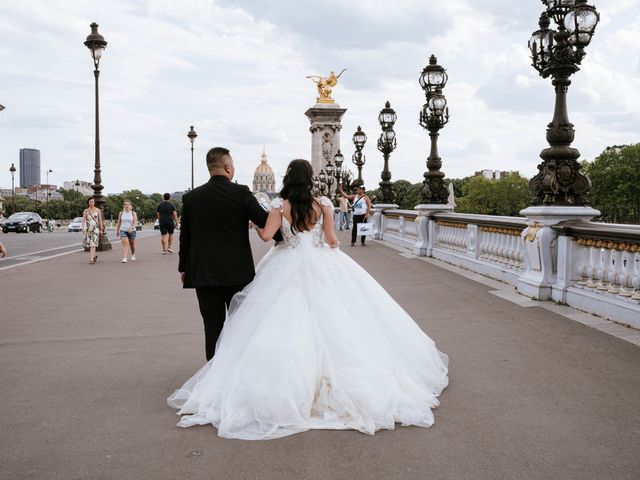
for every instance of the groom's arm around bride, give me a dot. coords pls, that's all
(215, 252)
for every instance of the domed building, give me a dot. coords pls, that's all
(264, 180)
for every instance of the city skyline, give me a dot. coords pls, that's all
(241, 83)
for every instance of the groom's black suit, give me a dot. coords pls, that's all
(215, 253)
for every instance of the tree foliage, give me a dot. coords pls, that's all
(615, 179)
(506, 196)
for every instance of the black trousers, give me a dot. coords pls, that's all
(213, 302)
(354, 233)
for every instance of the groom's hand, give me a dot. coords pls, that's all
(182, 277)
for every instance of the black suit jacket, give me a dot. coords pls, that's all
(214, 234)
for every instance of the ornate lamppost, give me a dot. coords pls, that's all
(330, 168)
(77, 186)
(386, 145)
(96, 45)
(434, 116)
(192, 137)
(559, 189)
(557, 54)
(359, 158)
(337, 172)
(12, 169)
(322, 183)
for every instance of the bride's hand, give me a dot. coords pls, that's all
(335, 245)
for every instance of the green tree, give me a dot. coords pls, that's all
(505, 197)
(615, 179)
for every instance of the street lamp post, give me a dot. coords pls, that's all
(192, 137)
(48, 193)
(322, 183)
(359, 159)
(12, 169)
(434, 116)
(557, 54)
(96, 45)
(337, 172)
(77, 186)
(386, 145)
(330, 168)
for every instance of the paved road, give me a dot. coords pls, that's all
(87, 364)
(30, 247)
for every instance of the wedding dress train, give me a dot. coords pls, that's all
(314, 342)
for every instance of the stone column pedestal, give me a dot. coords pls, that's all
(325, 129)
(426, 228)
(541, 247)
(379, 219)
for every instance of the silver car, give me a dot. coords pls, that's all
(75, 225)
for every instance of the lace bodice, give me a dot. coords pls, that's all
(291, 239)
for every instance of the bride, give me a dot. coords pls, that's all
(314, 342)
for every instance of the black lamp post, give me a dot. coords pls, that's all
(386, 145)
(48, 193)
(316, 185)
(77, 185)
(12, 169)
(192, 137)
(557, 53)
(322, 182)
(347, 175)
(434, 116)
(359, 159)
(337, 172)
(96, 45)
(331, 169)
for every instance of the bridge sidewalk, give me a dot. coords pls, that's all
(89, 354)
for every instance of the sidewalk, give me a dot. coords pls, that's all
(89, 354)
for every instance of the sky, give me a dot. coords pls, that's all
(236, 70)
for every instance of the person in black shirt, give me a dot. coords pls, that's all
(167, 220)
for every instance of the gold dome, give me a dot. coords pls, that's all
(264, 180)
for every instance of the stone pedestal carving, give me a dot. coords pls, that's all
(379, 218)
(325, 129)
(541, 247)
(426, 229)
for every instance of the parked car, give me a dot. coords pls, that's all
(75, 225)
(156, 224)
(23, 222)
(138, 226)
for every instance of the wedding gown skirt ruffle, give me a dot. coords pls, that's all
(314, 342)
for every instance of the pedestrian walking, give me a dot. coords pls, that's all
(92, 225)
(3, 250)
(344, 212)
(361, 208)
(126, 231)
(167, 220)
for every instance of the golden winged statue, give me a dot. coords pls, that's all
(325, 85)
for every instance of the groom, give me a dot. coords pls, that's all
(215, 253)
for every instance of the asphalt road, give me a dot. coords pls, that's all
(26, 248)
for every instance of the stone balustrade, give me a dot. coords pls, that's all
(591, 266)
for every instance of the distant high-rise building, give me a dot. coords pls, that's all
(29, 167)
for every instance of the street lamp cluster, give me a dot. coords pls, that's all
(557, 53)
(386, 144)
(434, 116)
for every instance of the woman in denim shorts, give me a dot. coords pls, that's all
(126, 230)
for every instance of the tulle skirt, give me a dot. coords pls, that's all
(314, 342)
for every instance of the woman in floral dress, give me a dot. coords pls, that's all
(92, 225)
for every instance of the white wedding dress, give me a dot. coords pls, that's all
(314, 342)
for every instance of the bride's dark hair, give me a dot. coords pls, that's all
(297, 187)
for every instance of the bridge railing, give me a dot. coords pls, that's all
(591, 266)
